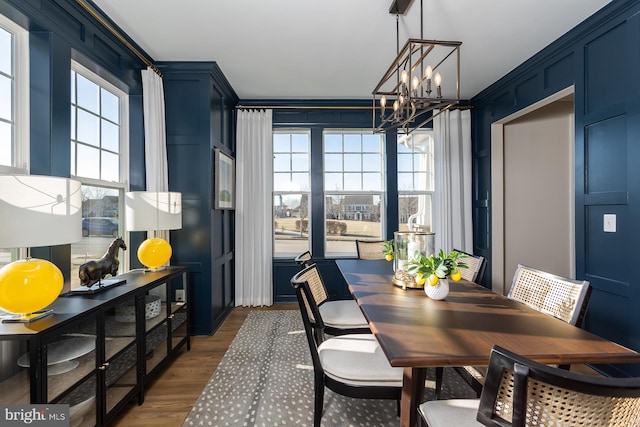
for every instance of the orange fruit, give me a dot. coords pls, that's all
(455, 276)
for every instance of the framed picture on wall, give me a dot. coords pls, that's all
(224, 180)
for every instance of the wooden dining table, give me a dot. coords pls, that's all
(416, 332)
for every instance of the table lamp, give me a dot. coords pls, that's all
(36, 211)
(153, 211)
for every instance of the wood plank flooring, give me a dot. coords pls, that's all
(173, 393)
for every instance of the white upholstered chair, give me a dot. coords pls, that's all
(519, 392)
(352, 364)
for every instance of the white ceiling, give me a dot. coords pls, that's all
(339, 49)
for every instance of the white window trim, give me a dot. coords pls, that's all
(124, 128)
(21, 127)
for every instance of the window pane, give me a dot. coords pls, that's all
(109, 104)
(291, 223)
(371, 182)
(110, 167)
(371, 143)
(333, 162)
(87, 94)
(333, 182)
(6, 98)
(6, 156)
(88, 162)
(100, 223)
(282, 162)
(300, 162)
(6, 52)
(405, 182)
(351, 217)
(300, 143)
(73, 122)
(332, 143)
(372, 162)
(419, 205)
(352, 162)
(405, 162)
(352, 143)
(301, 181)
(110, 136)
(281, 142)
(88, 128)
(352, 181)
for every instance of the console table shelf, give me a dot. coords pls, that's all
(91, 357)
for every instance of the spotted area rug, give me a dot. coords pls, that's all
(266, 379)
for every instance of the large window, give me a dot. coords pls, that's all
(14, 108)
(415, 181)
(291, 190)
(99, 161)
(353, 189)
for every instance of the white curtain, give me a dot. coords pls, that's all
(254, 208)
(453, 198)
(155, 139)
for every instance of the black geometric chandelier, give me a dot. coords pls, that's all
(425, 76)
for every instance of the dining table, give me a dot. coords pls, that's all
(416, 332)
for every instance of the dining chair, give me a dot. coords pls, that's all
(520, 392)
(339, 316)
(475, 267)
(368, 249)
(304, 260)
(557, 296)
(351, 365)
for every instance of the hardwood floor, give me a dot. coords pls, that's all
(172, 394)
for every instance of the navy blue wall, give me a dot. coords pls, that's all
(199, 105)
(601, 58)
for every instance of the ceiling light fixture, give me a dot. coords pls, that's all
(425, 76)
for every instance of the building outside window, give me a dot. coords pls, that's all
(415, 181)
(353, 189)
(99, 145)
(291, 191)
(14, 108)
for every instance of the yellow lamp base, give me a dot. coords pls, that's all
(154, 253)
(27, 287)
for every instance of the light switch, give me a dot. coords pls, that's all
(609, 223)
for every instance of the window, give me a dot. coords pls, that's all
(353, 189)
(98, 159)
(415, 181)
(14, 98)
(291, 190)
(14, 107)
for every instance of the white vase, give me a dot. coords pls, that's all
(439, 291)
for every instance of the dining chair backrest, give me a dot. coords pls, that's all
(519, 392)
(311, 279)
(558, 296)
(368, 249)
(311, 318)
(304, 260)
(475, 267)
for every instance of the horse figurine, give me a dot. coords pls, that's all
(92, 272)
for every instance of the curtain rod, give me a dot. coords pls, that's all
(324, 107)
(94, 13)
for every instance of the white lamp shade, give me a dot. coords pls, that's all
(153, 211)
(39, 211)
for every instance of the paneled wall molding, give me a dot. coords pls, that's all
(600, 58)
